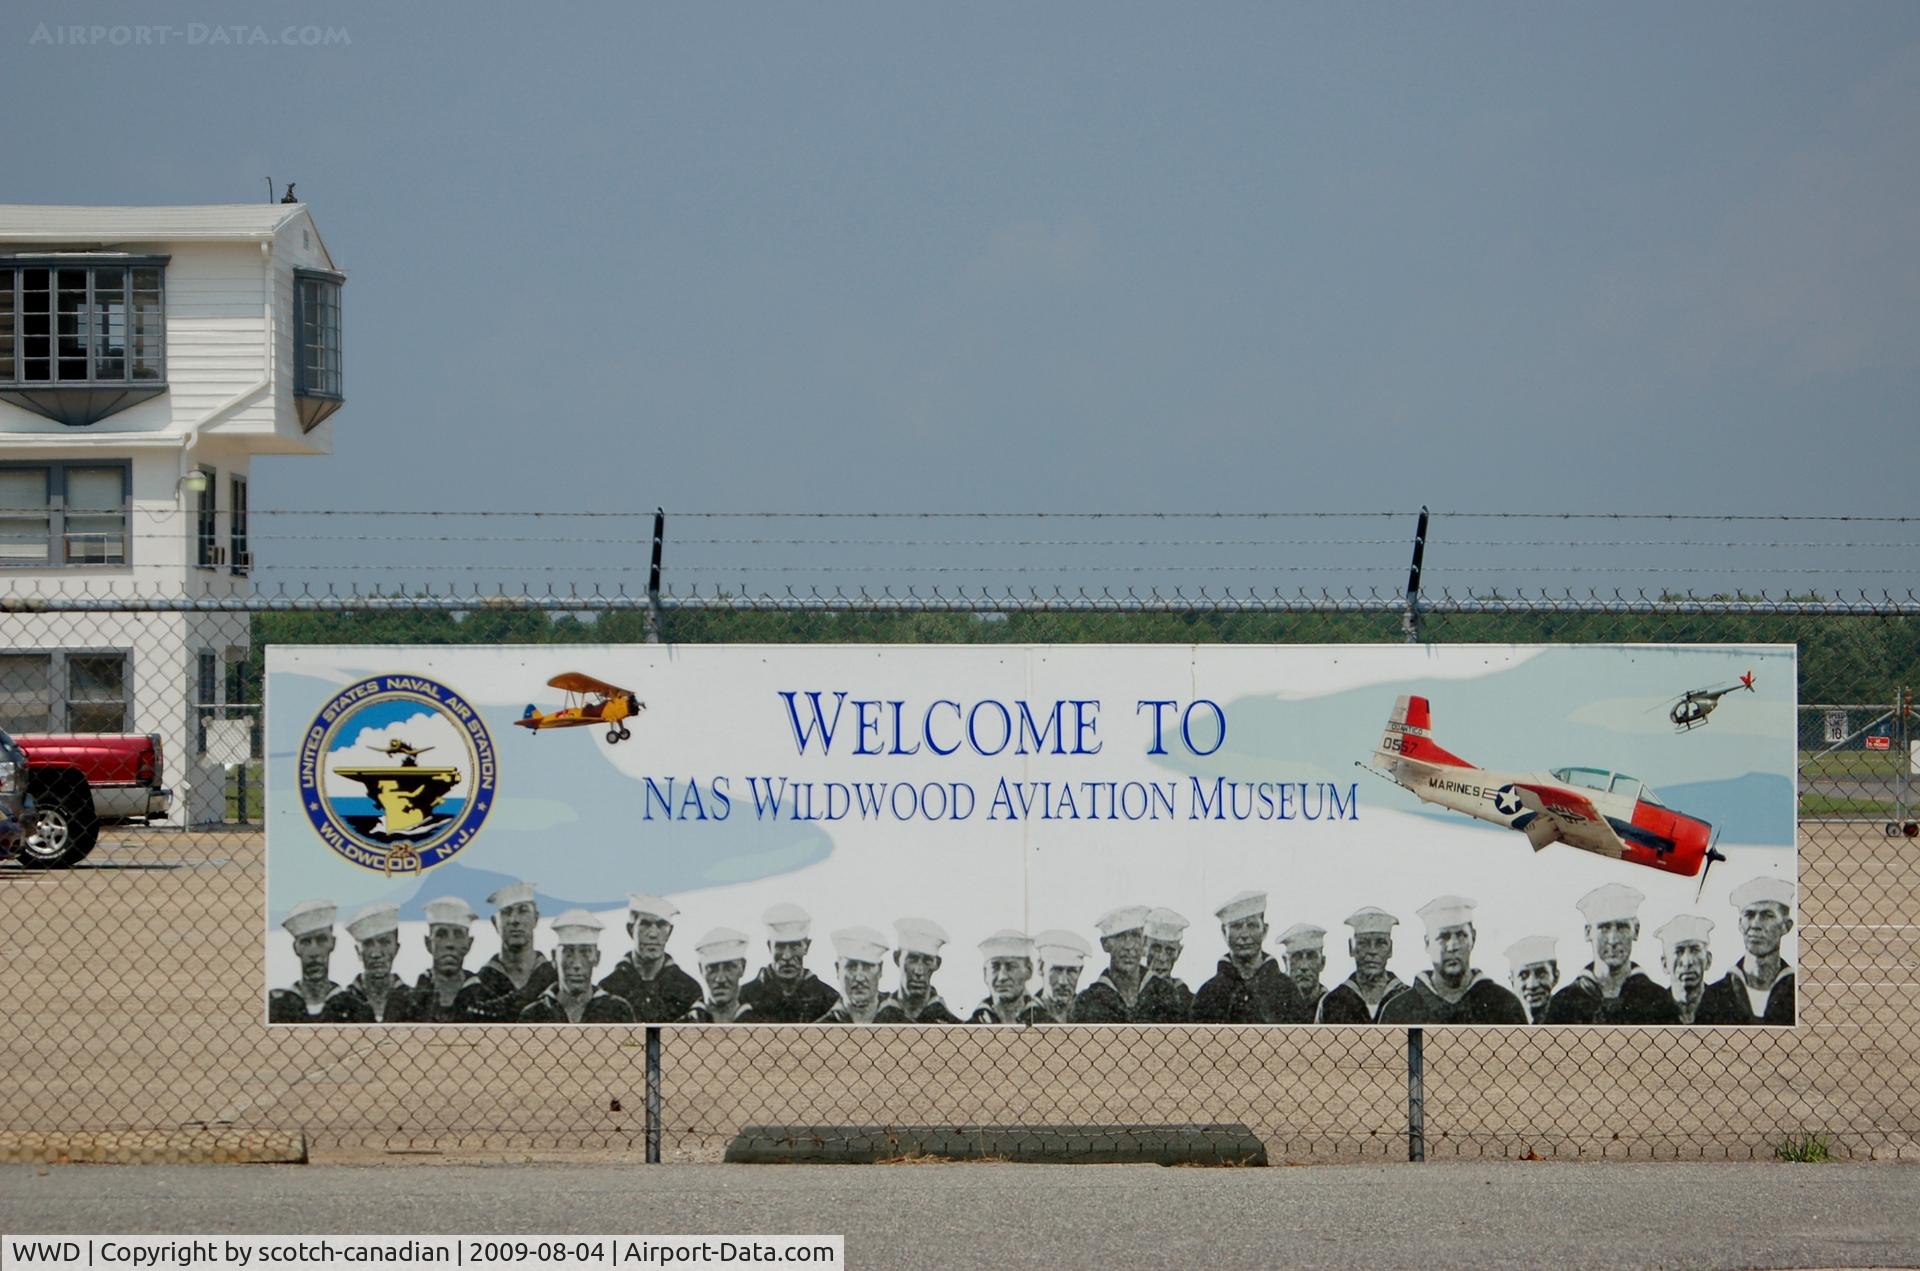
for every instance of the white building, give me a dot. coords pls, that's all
(147, 355)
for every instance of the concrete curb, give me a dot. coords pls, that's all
(1227, 1144)
(154, 1147)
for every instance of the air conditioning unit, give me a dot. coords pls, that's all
(242, 562)
(212, 557)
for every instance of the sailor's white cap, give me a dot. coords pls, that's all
(374, 920)
(511, 894)
(859, 944)
(1165, 925)
(1447, 911)
(1303, 935)
(1246, 904)
(310, 916)
(1062, 948)
(1006, 943)
(1611, 902)
(1117, 922)
(577, 926)
(638, 902)
(1763, 891)
(1528, 950)
(1684, 929)
(450, 911)
(919, 935)
(722, 944)
(786, 922)
(1371, 921)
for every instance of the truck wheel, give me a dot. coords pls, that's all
(67, 831)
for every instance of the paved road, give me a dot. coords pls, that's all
(1505, 1214)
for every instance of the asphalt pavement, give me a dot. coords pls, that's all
(1481, 1214)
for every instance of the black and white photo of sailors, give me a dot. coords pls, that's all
(722, 955)
(859, 960)
(1006, 965)
(1686, 958)
(549, 971)
(1248, 987)
(785, 992)
(1760, 987)
(1358, 998)
(1063, 959)
(1452, 990)
(1612, 989)
(574, 998)
(1533, 970)
(310, 923)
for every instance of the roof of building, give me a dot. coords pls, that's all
(39, 223)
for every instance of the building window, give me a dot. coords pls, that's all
(206, 537)
(319, 382)
(63, 514)
(239, 556)
(81, 338)
(208, 669)
(77, 691)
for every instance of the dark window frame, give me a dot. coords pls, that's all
(60, 697)
(206, 521)
(239, 555)
(13, 350)
(327, 286)
(57, 513)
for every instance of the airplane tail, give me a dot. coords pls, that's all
(1408, 739)
(1746, 681)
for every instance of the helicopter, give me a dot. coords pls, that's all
(1691, 708)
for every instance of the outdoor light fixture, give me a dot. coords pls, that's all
(195, 482)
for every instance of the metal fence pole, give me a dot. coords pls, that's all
(653, 1095)
(653, 576)
(1416, 1097)
(1416, 1051)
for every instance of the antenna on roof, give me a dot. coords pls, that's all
(288, 196)
(269, 181)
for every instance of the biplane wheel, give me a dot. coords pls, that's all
(625, 732)
(613, 736)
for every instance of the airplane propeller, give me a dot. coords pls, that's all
(1713, 854)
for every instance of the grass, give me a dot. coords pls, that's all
(1852, 763)
(1808, 1149)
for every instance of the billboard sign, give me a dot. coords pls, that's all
(1030, 834)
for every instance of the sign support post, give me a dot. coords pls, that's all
(653, 1095)
(1416, 1050)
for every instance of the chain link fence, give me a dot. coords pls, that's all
(133, 980)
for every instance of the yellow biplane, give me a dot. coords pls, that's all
(589, 702)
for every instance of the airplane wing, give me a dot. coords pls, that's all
(558, 721)
(575, 682)
(1578, 821)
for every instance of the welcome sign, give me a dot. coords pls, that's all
(1046, 835)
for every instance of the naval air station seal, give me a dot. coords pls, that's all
(396, 773)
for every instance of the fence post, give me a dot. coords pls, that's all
(653, 576)
(1416, 1097)
(1416, 1049)
(653, 1095)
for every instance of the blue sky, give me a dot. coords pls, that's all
(1628, 257)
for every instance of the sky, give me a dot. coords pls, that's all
(1633, 258)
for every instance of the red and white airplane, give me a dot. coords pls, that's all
(1593, 809)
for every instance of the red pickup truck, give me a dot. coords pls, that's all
(78, 780)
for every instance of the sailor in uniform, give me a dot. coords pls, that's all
(785, 992)
(917, 943)
(512, 978)
(1686, 959)
(376, 995)
(1164, 997)
(1305, 947)
(1760, 988)
(1454, 991)
(1358, 998)
(445, 993)
(722, 957)
(1007, 967)
(860, 953)
(1612, 989)
(647, 977)
(573, 997)
(1533, 970)
(1111, 998)
(310, 923)
(1248, 987)
(1063, 956)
